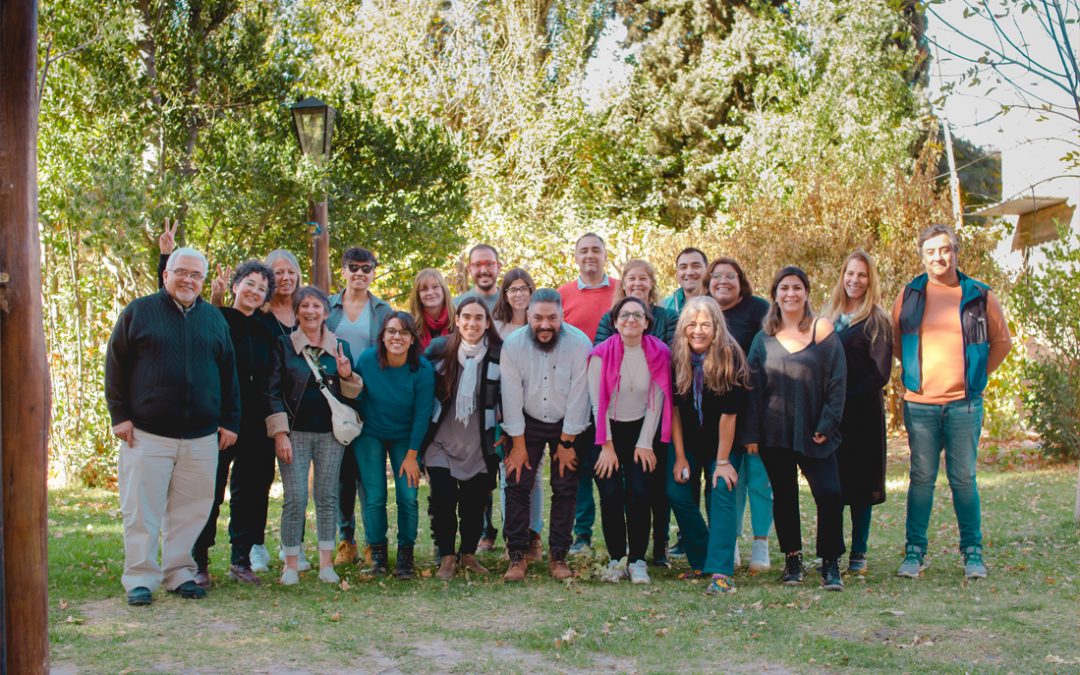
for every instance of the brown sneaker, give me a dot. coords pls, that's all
(535, 553)
(560, 570)
(347, 553)
(244, 575)
(485, 545)
(447, 567)
(516, 571)
(469, 562)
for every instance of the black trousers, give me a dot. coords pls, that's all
(454, 501)
(251, 460)
(540, 435)
(625, 499)
(823, 475)
(658, 502)
(348, 488)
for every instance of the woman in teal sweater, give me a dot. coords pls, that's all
(396, 404)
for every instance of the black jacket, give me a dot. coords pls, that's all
(489, 398)
(172, 373)
(289, 375)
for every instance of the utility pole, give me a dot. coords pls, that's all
(24, 375)
(954, 179)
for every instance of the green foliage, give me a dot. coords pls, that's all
(1048, 307)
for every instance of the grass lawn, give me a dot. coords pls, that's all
(1024, 618)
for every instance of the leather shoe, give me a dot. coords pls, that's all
(469, 562)
(347, 553)
(516, 571)
(244, 575)
(560, 570)
(447, 567)
(202, 579)
(189, 590)
(140, 596)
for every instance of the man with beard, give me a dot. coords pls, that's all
(690, 267)
(484, 266)
(545, 404)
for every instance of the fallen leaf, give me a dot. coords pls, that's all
(894, 612)
(336, 616)
(345, 585)
(661, 632)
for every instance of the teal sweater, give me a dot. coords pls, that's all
(396, 403)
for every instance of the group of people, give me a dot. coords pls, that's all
(648, 403)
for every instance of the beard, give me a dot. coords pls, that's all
(545, 346)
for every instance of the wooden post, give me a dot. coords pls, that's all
(24, 381)
(320, 254)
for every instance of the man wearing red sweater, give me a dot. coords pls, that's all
(585, 301)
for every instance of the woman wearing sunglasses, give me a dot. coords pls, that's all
(356, 315)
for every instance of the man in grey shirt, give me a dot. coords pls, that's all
(545, 402)
(484, 267)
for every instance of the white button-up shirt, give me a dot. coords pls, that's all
(547, 386)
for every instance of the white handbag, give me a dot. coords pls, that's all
(346, 421)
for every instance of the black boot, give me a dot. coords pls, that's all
(404, 569)
(830, 575)
(379, 560)
(659, 551)
(794, 572)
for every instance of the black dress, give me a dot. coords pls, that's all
(861, 454)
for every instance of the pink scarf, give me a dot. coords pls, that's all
(658, 358)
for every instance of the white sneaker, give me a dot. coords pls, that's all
(639, 572)
(738, 558)
(328, 575)
(302, 564)
(616, 571)
(290, 577)
(759, 556)
(260, 558)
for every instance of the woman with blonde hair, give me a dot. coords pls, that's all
(866, 334)
(431, 306)
(711, 378)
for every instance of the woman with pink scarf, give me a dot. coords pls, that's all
(630, 390)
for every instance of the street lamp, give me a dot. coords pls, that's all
(313, 122)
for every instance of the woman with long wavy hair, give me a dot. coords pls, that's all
(431, 305)
(711, 378)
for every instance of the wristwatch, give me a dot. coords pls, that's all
(566, 443)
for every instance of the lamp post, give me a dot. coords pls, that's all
(313, 122)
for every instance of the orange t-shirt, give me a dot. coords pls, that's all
(942, 343)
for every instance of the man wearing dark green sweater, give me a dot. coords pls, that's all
(173, 396)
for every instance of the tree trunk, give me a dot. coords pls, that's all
(24, 383)
(1076, 510)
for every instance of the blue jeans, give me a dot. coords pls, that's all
(954, 427)
(585, 506)
(371, 455)
(860, 527)
(754, 484)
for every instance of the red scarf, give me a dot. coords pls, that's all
(434, 328)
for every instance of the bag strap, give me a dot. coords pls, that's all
(317, 372)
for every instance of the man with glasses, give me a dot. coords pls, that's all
(484, 268)
(356, 316)
(174, 399)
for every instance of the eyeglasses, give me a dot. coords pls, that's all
(627, 316)
(489, 265)
(725, 276)
(262, 288)
(515, 290)
(366, 268)
(394, 332)
(181, 273)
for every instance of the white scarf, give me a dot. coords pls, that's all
(470, 357)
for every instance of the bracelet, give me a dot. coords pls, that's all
(722, 462)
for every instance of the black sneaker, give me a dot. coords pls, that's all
(189, 590)
(857, 563)
(140, 596)
(830, 575)
(794, 572)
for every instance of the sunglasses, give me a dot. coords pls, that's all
(366, 268)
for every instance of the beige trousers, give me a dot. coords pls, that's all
(166, 490)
